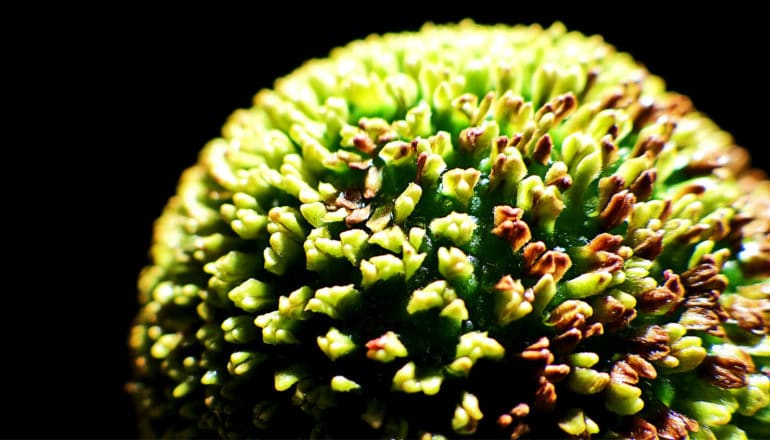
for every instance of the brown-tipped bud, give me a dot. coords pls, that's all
(570, 314)
(704, 277)
(642, 430)
(611, 313)
(540, 262)
(542, 151)
(653, 344)
(751, 314)
(563, 106)
(595, 328)
(605, 242)
(700, 318)
(422, 159)
(727, 367)
(705, 163)
(545, 396)
(364, 144)
(556, 373)
(664, 298)
(651, 246)
(643, 185)
(567, 341)
(675, 426)
(641, 366)
(608, 187)
(510, 227)
(678, 105)
(618, 208)
(539, 352)
(653, 144)
(358, 215)
(609, 151)
(349, 199)
(602, 253)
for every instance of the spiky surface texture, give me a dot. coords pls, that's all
(467, 230)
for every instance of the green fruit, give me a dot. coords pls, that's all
(467, 230)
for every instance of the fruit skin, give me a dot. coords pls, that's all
(468, 230)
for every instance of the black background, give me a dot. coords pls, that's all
(143, 89)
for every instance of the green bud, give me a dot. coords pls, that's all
(454, 264)
(251, 295)
(459, 184)
(405, 380)
(276, 329)
(330, 300)
(406, 202)
(457, 227)
(586, 380)
(588, 284)
(380, 268)
(239, 329)
(623, 399)
(576, 423)
(390, 239)
(386, 348)
(353, 243)
(335, 344)
(467, 415)
(342, 384)
(435, 294)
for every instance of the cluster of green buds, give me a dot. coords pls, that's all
(467, 230)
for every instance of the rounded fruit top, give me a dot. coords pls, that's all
(467, 230)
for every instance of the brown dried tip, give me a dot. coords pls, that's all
(675, 426)
(728, 369)
(358, 216)
(514, 417)
(539, 262)
(751, 314)
(545, 395)
(630, 369)
(422, 158)
(364, 144)
(603, 250)
(349, 199)
(653, 343)
(570, 314)
(556, 373)
(642, 430)
(609, 151)
(664, 297)
(567, 341)
(510, 227)
(538, 352)
(469, 139)
(643, 185)
(611, 313)
(617, 210)
(542, 151)
(608, 187)
(704, 164)
(650, 247)
(652, 144)
(563, 106)
(758, 265)
(703, 278)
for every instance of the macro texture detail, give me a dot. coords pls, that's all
(468, 230)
